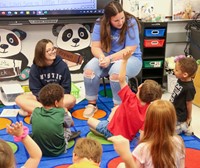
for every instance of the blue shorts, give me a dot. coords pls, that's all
(102, 128)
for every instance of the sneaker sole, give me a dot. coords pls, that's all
(88, 116)
(75, 136)
(95, 132)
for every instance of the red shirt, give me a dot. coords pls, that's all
(129, 116)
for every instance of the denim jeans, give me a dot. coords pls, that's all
(102, 128)
(134, 66)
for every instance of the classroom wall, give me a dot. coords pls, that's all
(175, 41)
(79, 53)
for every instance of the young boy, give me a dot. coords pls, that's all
(128, 118)
(183, 93)
(51, 123)
(87, 153)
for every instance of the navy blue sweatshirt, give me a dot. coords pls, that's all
(58, 72)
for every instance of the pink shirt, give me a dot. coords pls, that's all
(142, 154)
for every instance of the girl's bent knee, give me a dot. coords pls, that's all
(88, 73)
(114, 77)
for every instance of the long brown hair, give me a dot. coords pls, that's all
(112, 9)
(40, 51)
(160, 123)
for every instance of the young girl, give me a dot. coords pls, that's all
(116, 32)
(159, 146)
(47, 68)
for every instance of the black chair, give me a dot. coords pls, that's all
(133, 84)
(104, 85)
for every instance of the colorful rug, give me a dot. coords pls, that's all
(110, 158)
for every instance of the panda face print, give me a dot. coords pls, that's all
(73, 37)
(82, 33)
(12, 39)
(10, 44)
(67, 35)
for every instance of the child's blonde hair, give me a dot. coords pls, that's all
(159, 128)
(88, 148)
(7, 158)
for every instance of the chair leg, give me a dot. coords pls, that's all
(104, 87)
(136, 81)
(134, 84)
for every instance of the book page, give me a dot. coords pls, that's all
(9, 113)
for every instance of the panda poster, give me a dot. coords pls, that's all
(13, 63)
(18, 43)
(73, 45)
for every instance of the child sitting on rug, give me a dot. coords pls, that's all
(20, 134)
(128, 118)
(87, 153)
(159, 146)
(51, 123)
(184, 92)
(47, 67)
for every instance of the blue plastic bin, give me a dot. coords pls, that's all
(154, 32)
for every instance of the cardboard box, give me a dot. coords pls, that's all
(11, 91)
(196, 100)
(171, 82)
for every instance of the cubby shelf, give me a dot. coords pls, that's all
(153, 46)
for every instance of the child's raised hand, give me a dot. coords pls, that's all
(121, 145)
(15, 129)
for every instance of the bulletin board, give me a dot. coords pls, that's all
(159, 7)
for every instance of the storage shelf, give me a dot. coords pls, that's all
(152, 53)
(152, 77)
(147, 57)
(152, 68)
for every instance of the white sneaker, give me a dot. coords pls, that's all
(89, 111)
(189, 131)
(23, 113)
(178, 129)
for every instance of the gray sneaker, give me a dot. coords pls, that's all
(89, 111)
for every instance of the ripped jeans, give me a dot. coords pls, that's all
(92, 83)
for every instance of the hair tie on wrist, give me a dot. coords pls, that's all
(25, 133)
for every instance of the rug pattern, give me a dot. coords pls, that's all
(110, 158)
